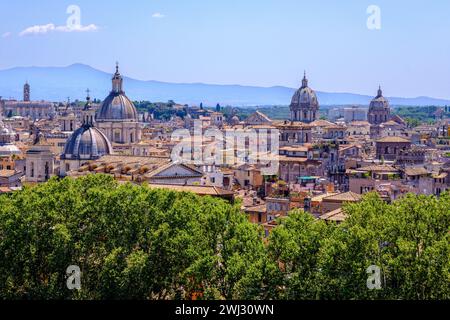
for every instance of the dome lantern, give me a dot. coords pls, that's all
(304, 81)
(380, 92)
(117, 81)
(88, 112)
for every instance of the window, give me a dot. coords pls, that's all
(117, 136)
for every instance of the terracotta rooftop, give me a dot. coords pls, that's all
(378, 168)
(420, 171)
(321, 123)
(393, 139)
(346, 196)
(5, 189)
(292, 159)
(336, 215)
(7, 173)
(199, 190)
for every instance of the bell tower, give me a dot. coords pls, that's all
(26, 92)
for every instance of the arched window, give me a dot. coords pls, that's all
(117, 136)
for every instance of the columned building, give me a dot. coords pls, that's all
(379, 109)
(118, 117)
(304, 105)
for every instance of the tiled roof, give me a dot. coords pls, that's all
(7, 173)
(416, 171)
(336, 215)
(321, 123)
(378, 168)
(200, 190)
(346, 196)
(393, 139)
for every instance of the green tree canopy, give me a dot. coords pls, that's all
(133, 242)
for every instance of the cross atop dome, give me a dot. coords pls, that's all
(380, 92)
(304, 81)
(117, 81)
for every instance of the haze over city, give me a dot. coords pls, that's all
(260, 43)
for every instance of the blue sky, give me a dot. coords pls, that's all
(249, 42)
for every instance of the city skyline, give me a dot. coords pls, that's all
(242, 43)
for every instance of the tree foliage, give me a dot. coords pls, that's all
(133, 242)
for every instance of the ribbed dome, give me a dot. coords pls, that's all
(305, 96)
(379, 102)
(117, 107)
(304, 105)
(87, 143)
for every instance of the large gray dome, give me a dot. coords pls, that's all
(86, 143)
(306, 97)
(117, 106)
(304, 104)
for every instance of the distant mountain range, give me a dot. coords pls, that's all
(59, 83)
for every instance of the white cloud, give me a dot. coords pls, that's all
(6, 35)
(158, 15)
(43, 29)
